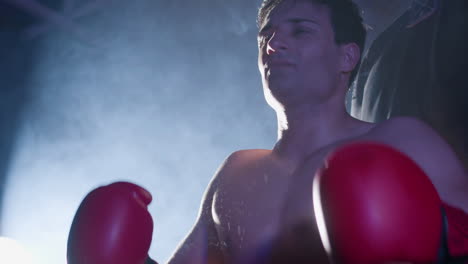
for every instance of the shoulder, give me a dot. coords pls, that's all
(249, 154)
(405, 125)
(236, 163)
(417, 139)
(232, 166)
(409, 134)
(428, 149)
(243, 158)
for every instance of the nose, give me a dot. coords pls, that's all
(275, 43)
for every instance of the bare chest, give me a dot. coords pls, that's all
(266, 212)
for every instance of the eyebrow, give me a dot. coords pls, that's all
(290, 20)
(300, 20)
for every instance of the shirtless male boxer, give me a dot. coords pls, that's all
(258, 207)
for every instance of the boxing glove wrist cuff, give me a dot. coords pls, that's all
(454, 246)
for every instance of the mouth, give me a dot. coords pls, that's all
(278, 63)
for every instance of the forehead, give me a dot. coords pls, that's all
(297, 9)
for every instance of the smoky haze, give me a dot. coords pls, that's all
(158, 93)
(153, 92)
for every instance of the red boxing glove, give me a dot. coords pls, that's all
(374, 205)
(112, 226)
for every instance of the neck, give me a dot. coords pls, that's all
(303, 129)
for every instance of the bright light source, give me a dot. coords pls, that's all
(12, 252)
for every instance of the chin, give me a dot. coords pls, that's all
(280, 84)
(283, 88)
(277, 94)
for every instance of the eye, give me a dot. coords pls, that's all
(299, 32)
(302, 31)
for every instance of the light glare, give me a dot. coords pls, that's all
(12, 252)
(319, 217)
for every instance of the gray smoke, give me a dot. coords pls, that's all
(158, 93)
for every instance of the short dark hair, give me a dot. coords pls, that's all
(345, 17)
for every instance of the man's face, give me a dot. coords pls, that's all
(298, 56)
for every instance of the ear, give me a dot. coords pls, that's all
(350, 56)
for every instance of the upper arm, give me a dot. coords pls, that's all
(202, 245)
(435, 156)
